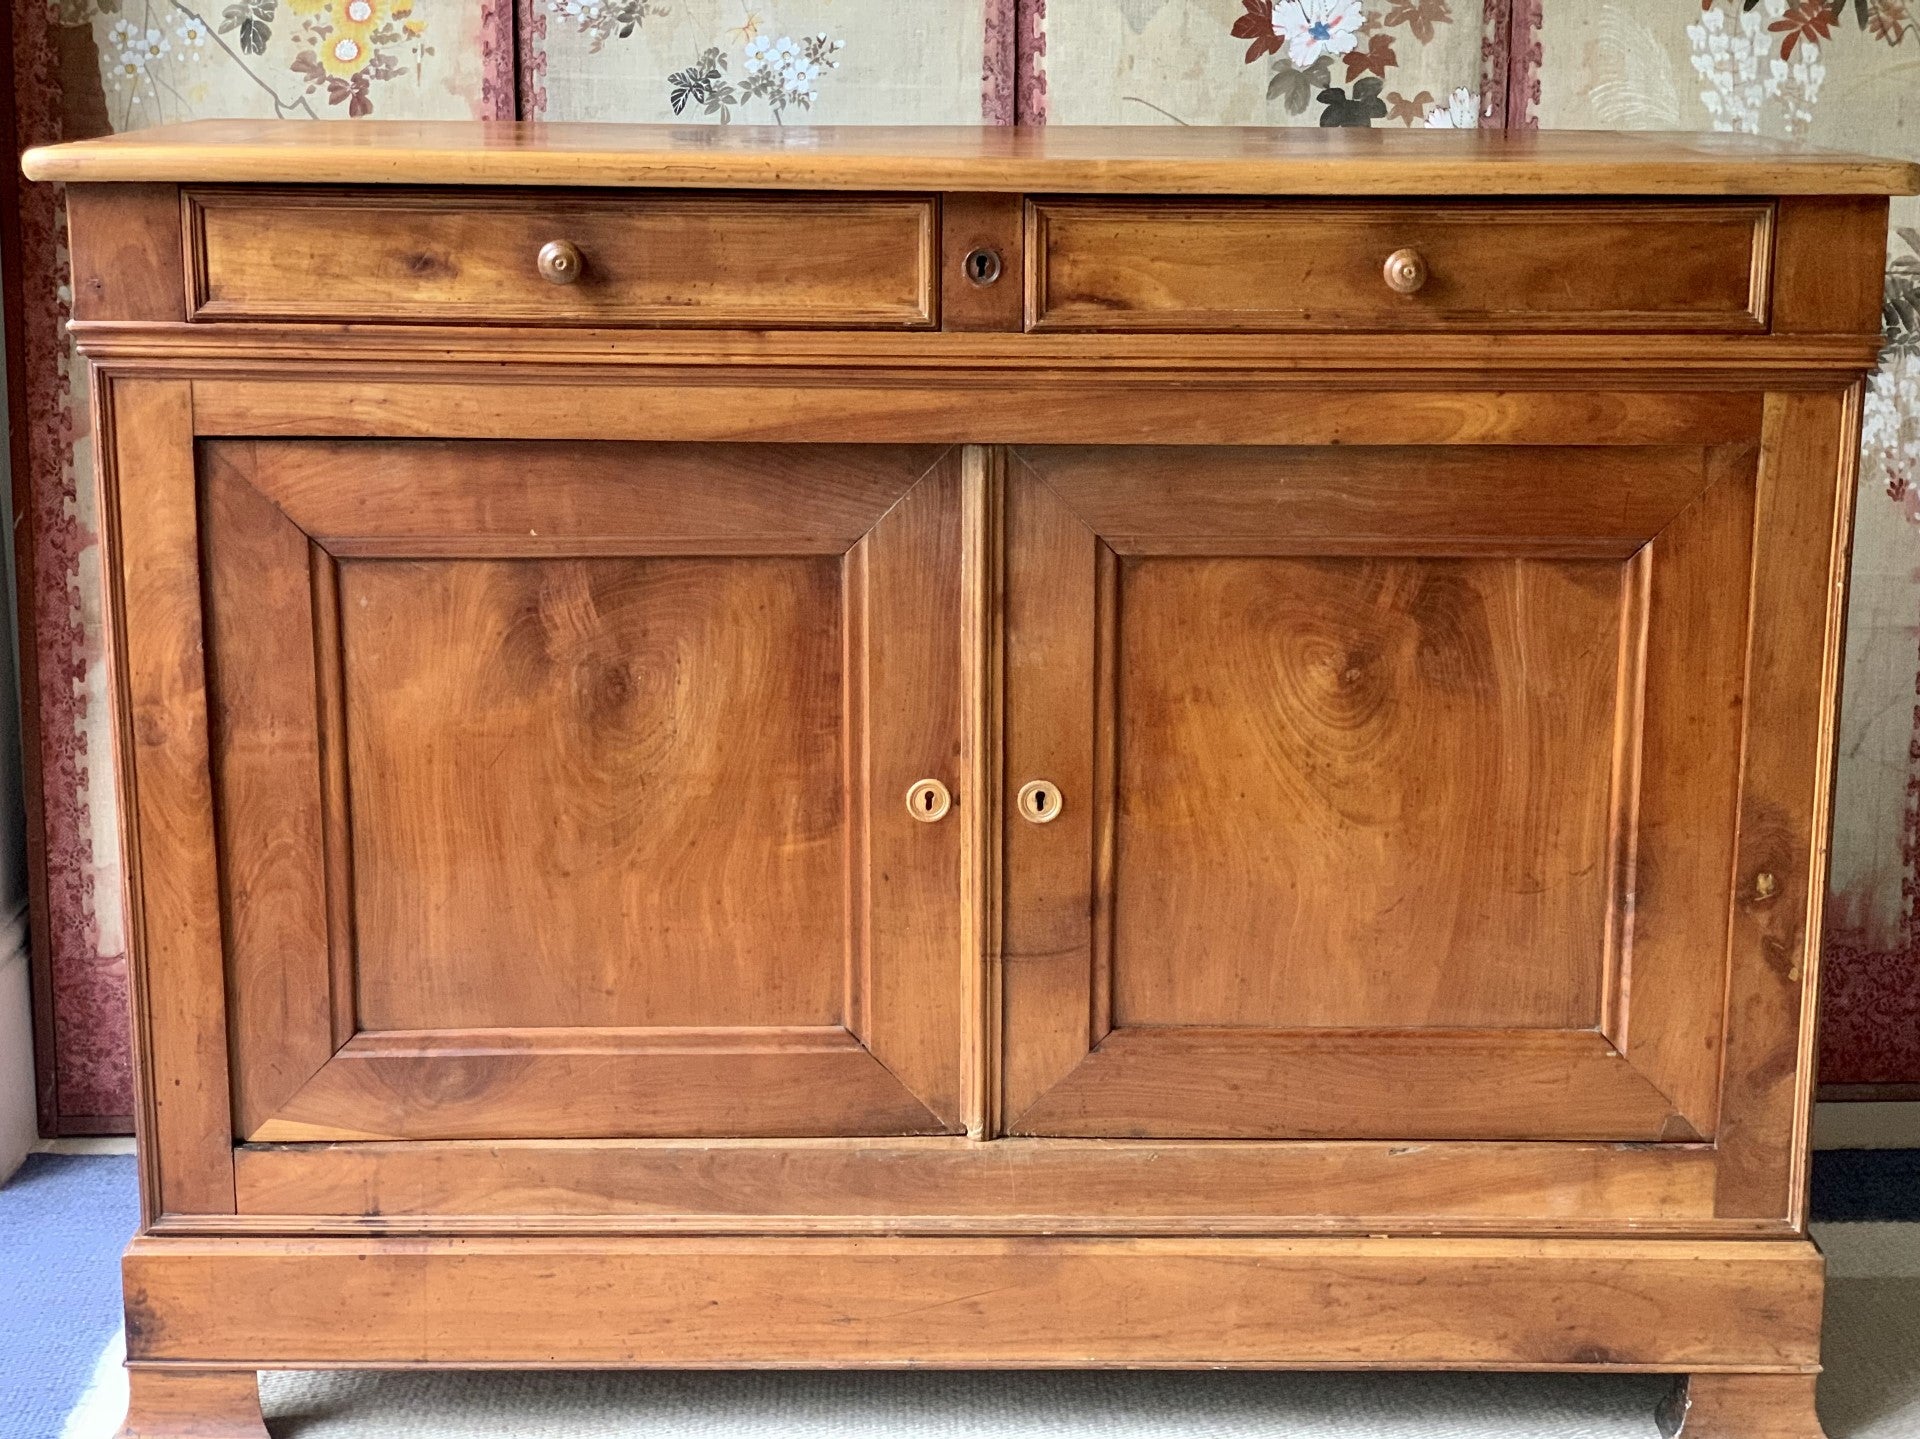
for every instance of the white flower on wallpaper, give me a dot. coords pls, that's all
(776, 72)
(1312, 28)
(1460, 111)
(1746, 66)
(1890, 419)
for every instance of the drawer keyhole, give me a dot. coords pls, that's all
(982, 266)
(1039, 801)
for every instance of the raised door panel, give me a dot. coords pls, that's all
(1398, 789)
(561, 788)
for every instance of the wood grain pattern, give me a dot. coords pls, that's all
(1006, 1303)
(1742, 1406)
(1101, 159)
(1241, 265)
(124, 253)
(715, 260)
(1193, 1082)
(269, 806)
(183, 1403)
(1048, 906)
(1569, 500)
(1803, 519)
(1075, 411)
(476, 499)
(585, 717)
(1704, 363)
(150, 547)
(1364, 793)
(915, 979)
(1828, 252)
(1693, 702)
(599, 1083)
(944, 1185)
(994, 224)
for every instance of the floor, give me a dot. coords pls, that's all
(64, 1219)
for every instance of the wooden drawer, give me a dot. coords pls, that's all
(1277, 266)
(775, 261)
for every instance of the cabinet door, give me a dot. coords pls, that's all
(561, 788)
(1398, 788)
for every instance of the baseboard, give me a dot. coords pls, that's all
(1886, 1125)
(19, 1118)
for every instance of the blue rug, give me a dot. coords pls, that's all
(1866, 1185)
(64, 1218)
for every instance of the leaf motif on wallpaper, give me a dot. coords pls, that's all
(1633, 86)
(1901, 312)
(778, 72)
(1140, 13)
(1294, 87)
(604, 20)
(1360, 109)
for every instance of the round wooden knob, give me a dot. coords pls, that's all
(1406, 271)
(560, 262)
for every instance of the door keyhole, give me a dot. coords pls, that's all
(1039, 801)
(928, 800)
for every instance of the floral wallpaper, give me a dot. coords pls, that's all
(1263, 62)
(1841, 72)
(768, 62)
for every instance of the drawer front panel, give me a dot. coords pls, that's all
(770, 261)
(1240, 266)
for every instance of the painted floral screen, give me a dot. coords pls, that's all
(1841, 72)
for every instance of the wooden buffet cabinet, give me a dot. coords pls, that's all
(974, 748)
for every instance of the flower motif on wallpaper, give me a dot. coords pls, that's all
(773, 70)
(777, 72)
(1760, 59)
(1743, 75)
(1890, 414)
(1459, 111)
(604, 20)
(1309, 38)
(150, 54)
(349, 46)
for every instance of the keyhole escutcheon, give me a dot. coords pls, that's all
(1039, 801)
(982, 266)
(928, 800)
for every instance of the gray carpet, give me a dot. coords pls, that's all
(1871, 1390)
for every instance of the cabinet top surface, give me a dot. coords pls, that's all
(1061, 159)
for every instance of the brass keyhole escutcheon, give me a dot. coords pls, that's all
(928, 800)
(982, 266)
(1039, 801)
(1406, 271)
(559, 262)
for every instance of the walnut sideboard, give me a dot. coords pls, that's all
(974, 747)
